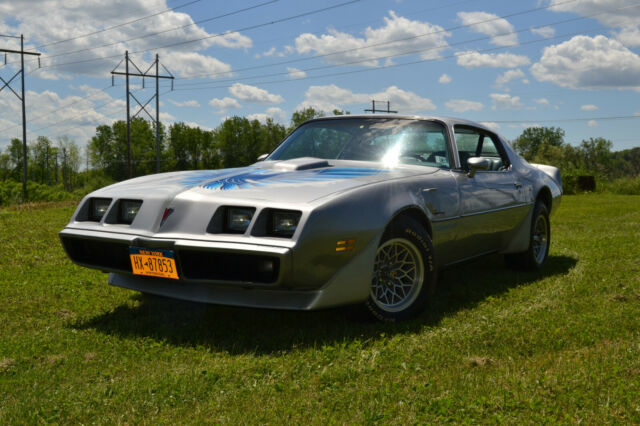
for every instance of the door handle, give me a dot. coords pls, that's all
(518, 185)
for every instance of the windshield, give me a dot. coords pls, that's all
(387, 140)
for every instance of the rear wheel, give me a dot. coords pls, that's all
(403, 272)
(540, 238)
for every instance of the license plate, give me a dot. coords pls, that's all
(153, 262)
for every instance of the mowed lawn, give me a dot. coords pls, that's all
(497, 345)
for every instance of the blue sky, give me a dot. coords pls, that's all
(573, 64)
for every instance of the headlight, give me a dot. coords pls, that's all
(97, 208)
(238, 219)
(128, 210)
(284, 223)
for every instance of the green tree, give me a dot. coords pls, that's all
(300, 116)
(69, 155)
(534, 139)
(239, 141)
(597, 155)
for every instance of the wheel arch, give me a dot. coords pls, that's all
(544, 195)
(415, 213)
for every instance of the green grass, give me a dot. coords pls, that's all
(497, 345)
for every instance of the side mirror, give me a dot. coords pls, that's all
(477, 163)
(262, 157)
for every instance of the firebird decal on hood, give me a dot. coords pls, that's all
(266, 177)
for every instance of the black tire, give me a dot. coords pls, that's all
(535, 256)
(405, 248)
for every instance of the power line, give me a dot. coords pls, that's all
(118, 25)
(87, 49)
(578, 18)
(248, 28)
(395, 65)
(565, 120)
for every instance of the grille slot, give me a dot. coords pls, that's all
(211, 265)
(98, 254)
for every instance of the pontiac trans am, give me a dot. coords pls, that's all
(346, 210)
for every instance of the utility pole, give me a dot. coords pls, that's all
(144, 74)
(7, 83)
(374, 110)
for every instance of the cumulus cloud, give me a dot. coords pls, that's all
(585, 62)
(296, 73)
(444, 79)
(46, 23)
(592, 123)
(491, 25)
(509, 75)
(50, 113)
(505, 101)
(254, 94)
(330, 97)
(544, 32)
(224, 104)
(378, 42)
(623, 14)
(491, 125)
(191, 103)
(589, 107)
(463, 105)
(473, 59)
(275, 113)
(541, 101)
(193, 63)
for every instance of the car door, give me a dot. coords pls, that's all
(488, 199)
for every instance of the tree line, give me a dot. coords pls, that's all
(238, 141)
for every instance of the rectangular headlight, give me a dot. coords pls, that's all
(284, 223)
(238, 219)
(128, 211)
(97, 208)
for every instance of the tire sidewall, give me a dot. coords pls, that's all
(410, 230)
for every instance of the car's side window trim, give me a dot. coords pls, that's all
(482, 133)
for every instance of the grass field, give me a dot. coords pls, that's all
(497, 345)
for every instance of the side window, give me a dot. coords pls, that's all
(477, 143)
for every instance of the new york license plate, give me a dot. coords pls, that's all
(153, 262)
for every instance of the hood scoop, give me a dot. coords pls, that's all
(304, 163)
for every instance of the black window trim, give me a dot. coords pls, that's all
(483, 133)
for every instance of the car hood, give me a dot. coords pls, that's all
(290, 181)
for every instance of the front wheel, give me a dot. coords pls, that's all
(539, 240)
(403, 272)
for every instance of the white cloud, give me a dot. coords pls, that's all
(275, 113)
(629, 36)
(589, 63)
(224, 104)
(542, 101)
(491, 25)
(589, 107)
(330, 97)
(505, 101)
(592, 123)
(463, 105)
(193, 63)
(415, 36)
(612, 13)
(47, 22)
(509, 75)
(473, 59)
(444, 79)
(296, 73)
(52, 115)
(190, 103)
(544, 32)
(491, 125)
(254, 94)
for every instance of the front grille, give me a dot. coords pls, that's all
(211, 265)
(98, 254)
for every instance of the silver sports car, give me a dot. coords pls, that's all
(349, 209)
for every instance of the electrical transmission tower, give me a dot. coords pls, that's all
(144, 75)
(374, 110)
(7, 83)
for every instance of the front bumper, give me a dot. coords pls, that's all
(199, 260)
